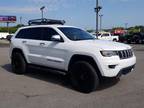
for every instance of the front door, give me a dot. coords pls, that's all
(54, 53)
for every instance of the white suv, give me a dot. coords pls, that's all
(71, 50)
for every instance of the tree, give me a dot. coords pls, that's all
(11, 29)
(136, 29)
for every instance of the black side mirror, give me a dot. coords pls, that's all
(9, 37)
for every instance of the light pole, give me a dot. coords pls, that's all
(8, 27)
(42, 8)
(100, 22)
(126, 25)
(20, 20)
(97, 10)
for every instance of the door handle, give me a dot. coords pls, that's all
(42, 44)
(24, 42)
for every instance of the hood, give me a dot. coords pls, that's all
(103, 45)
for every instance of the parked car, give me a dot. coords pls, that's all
(3, 35)
(137, 38)
(122, 39)
(107, 36)
(86, 60)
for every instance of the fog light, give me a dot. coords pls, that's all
(112, 66)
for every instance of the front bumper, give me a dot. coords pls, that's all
(112, 67)
(125, 71)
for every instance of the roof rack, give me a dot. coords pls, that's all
(45, 21)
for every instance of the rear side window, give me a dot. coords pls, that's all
(30, 33)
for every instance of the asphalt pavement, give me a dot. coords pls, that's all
(45, 89)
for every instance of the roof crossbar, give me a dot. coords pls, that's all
(45, 21)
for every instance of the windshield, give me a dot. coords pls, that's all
(76, 34)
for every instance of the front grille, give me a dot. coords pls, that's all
(124, 54)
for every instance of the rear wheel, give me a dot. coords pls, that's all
(84, 77)
(139, 41)
(19, 65)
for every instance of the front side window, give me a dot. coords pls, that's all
(47, 33)
(76, 34)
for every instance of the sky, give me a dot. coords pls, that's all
(77, 12)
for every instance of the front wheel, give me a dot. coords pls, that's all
(115, 40)
(19, 65)
(84, 77)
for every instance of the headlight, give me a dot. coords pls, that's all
(109, 53)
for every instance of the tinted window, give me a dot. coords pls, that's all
(105, 35)
(21, 34)
(30, 33)
(76, 34)
(47, 33)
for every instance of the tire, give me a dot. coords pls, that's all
(115, 40)
(129, 42)
(19, 65)
(84, 77)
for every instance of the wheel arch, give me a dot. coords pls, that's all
(89, 59)
(115, 39)
(19, 51)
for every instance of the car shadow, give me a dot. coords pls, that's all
(44, 75)
(107, 83)
(58, 78)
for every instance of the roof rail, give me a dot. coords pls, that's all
(45, 21)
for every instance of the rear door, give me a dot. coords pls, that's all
(31, 41)
(34, 45)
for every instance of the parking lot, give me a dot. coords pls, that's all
(42, 89)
